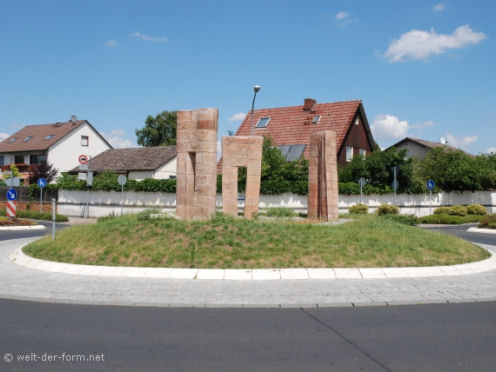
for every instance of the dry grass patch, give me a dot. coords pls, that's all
(224, 242)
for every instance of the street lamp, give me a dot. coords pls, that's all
(256, 88)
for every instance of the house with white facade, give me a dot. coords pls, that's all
(139, 163)
(59, 143)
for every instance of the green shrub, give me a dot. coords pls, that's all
(442, 210)
(458, 210)
(477, 209)
(280, 212)
(447, 219)
(359, 208)
(45, 216)
(387, 209)
(405, 219)
(488, 222)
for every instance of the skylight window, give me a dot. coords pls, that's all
(49, 137)
(262, 123)
(12, 140)
(316, 119)
(28, 138)
(292, 152)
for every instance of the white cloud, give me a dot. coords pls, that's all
(491, 150)
(463, 142)
(439, 7)
(421, 126)
(111, 43)
(341, 15)
(3, 136)
(419, 45)
(139, 35)
(237, 117)
(117, 140)
(388, 127)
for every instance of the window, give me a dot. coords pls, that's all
(262, 123)
(357, 121)
(316, 119)
(2, 160)
(12, 140)
(362, 152)
(349, 153)
(37, 159)
(49, 137)
(84, 141)
(19, 159)
(28, 138)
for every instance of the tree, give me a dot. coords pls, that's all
(159, 130)
(43, 170)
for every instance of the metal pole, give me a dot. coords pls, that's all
(394, 184)
(256, 88)
(122, 198)
(41, 199)
(53, 218)
(88, 203)
(360, 192)
(430, 202)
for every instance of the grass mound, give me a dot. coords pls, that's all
(225, 242)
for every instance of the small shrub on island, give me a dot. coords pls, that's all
(477, 209)
(442, 210)
(385, 209)
(488, 222)
(458, 210)
(359, 208)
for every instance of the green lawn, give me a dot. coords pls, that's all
(223, 242)
(447, 219)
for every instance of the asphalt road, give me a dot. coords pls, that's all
(448, 337)
(461, 231)
(7, 235)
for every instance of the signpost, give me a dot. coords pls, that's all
(122, 181)
(430, 187)
(395, 183)
(362, 181)
(54, 217)
(42, 182)
(11, 204)
(13, 181)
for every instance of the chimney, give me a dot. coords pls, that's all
(73, 119)
(308, 104)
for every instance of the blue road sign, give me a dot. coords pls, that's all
(430, 185)
(42, 182)
(11, 194)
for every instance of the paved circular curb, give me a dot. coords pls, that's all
(22, 228)
(483, 231)
(21, 259)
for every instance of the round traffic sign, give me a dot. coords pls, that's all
(83, 159)
(430, 184)
(11, 194)
(42, 182)
(362, 181)
(121, 180)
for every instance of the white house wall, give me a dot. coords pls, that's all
(64, 153)
(167, 170)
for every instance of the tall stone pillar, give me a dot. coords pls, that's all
(323, 177)
(241, 152)
(196, 163)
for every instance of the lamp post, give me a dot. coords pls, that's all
(256, 88)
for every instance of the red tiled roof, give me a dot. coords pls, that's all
(38, 133)
(292, 125)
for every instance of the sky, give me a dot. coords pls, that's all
(424, 69)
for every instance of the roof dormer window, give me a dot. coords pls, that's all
(262, 122)
(316, 119)
(12, 140)
(28, 138)
(49, 137)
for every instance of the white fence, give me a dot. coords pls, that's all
(102, 203)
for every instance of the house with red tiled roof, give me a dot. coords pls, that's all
(59, 143)
(290, 127)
